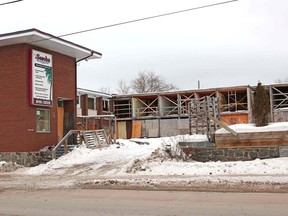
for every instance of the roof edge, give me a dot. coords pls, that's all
(48, 37)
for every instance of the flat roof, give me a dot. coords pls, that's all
(174, 92)
(50, 42)
(93, 93)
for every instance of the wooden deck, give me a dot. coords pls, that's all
(271, 138)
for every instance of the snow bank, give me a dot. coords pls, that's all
(278, 166)
(246, 128)
(115, 160)
(126, 151)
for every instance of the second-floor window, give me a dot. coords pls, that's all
(105, 105)
(91, 103)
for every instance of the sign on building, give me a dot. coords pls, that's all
(41, 79)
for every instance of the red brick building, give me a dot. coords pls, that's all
(38, 89)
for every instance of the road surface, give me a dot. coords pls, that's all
(139, 203)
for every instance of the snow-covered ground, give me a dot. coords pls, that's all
(146, 158)
(120, 159)
(245, 128)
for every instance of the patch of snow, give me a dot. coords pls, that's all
(278, 166)
(246, 128)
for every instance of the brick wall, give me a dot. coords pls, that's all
(17, 116)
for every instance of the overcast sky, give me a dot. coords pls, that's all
(232, 44)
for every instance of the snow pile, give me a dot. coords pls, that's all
(124, 153)
(146, 157)
(246, 128)
(278, 166)
(8, 166)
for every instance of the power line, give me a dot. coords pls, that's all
(11, 2)
(141, 19)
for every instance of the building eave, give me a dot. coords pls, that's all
(47, 41)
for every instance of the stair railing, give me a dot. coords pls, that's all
(64, 141)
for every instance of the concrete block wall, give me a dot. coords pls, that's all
(230, 153)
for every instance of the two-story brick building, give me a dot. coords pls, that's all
(38, 88)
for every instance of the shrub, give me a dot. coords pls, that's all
(261, 106)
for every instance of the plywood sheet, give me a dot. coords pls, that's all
(271, 138)
(151, 128)
(60, 122)
(235, 118)
(121, 126)
(136, 129)
(168, 127)
(153, 133)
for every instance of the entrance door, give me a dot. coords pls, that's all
(60, 122)
(65, 117)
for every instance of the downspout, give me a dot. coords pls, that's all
(91, 54)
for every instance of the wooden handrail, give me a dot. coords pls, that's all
(223, 125)
(65, 141)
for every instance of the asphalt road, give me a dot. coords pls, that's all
(129, 202)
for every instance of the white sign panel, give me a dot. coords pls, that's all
(41, 79)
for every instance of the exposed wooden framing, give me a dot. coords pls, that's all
(173, 108)
(185, 110)
(123, 108)
(199, 112)
(148, 107)
(278, 101)
(283, 100)
(241, 104)
(233, 100)
(172, 105)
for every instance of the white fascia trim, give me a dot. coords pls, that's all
(45, 37)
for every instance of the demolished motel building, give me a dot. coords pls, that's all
(167, 113)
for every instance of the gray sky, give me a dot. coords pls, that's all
(237, 43)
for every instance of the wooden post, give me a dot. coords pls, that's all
(271, 104)
(115, 130)
(189, 121)
(249, 104)
(53, 154)
(66, 146)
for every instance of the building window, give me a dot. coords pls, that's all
(105, 105)
(42, 120)
(91, 103)
(78, 101)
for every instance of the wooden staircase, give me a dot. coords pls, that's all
(95, 138)
(204, 116)
(91, 138)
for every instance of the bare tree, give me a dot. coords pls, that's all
(123, 87)
(105, 89)
(148, 81)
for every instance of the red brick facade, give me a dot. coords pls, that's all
(17, 116)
